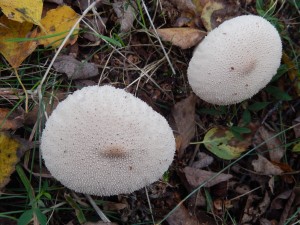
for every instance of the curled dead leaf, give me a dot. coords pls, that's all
(265, 167)
(181, 216)
(75, 69)
(126, 13)
(183, 37)
(196, 177)
(183, 114)
(11, 120)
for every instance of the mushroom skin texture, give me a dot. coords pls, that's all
(235, 60)
(104, 141)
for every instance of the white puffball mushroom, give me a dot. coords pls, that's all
(104, 141)
(235, 60)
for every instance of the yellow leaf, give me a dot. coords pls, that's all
(223, 143)
(207, 12)
(57, 24)
(11, 149)
(23, 10)
(16, 52)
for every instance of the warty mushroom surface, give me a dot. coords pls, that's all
(235, 60)
(104, 141)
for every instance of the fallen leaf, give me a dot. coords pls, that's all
(292, 72)
(182, 37)
(57, 23)
(16, 52)
(275, 147)
(207, 12)
(21, 11)
(204, 160)
(11, 150)
(84, 4)
(126, 14)
(98, 24)
(279, 201)
(113, 206)
(224, 144)
(11, 120)
(183, 113)
(215, 12)
(181, 216)
(196, 177)
(184, 5)
(75, 69)
(264, 167)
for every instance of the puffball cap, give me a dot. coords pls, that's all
(104, 141)
(235, 60)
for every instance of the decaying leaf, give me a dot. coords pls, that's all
(274, 145)
(75, 69)
(265, 167)
(182, 37)
(292, 72)
(126, 14)
(224, 144)
(183, 113)
(57, 23)
(215, 12)
(11, 150)
(21, 11)
(207, 12)
(11, 120)
(204, 160)
(182, 217)
(196, 177)
(16, 52)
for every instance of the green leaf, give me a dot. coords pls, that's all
(246, 117)
(281, 70)
(278, 93)
(40, 216)
(79, 214)
(257, 106)
(213, 111)
(296, 148)
(223, 143)
(26, 217)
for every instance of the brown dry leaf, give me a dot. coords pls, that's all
(183, 37)
(57, 24)
(11, 150)
(11, 120)
(275, 147)
(181, 216)
(280, 200)
(265, 167)
(113, 206)
(16, 52)
(204, 160)
(21, 11)
(207, 12)
(75, 69)
(184, 5)
(196, 177)
(126, 14)
(183, 113)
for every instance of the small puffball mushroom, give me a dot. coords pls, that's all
(235, 60)
(104, 141)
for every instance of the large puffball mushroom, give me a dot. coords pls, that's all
(235, 60)
(104, 141)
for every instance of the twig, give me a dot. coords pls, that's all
(158, 38)
(97, 209)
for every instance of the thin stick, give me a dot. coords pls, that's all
(97, 209)
(158, 38)
(24, 89)
(149, 203)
